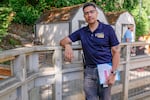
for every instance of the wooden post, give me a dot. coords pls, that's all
(20, 73)
(126, 74)
(58, 73)
(33, 62)
(20, 67)
(24, 92)
(34, 94)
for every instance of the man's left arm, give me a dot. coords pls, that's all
(115, 63)
(115, 57)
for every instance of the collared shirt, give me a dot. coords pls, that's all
(96, 45)
(127, 35)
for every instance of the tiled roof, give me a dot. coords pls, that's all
(58, 14)
(113, 16)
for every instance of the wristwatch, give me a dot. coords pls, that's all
(113, 72)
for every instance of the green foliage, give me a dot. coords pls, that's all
(27, 15)
(146, 7)
(13, 42)
(142, 25)
(28, 12)
(42, 5)
(116, 5)
(33, 2)
(64, 3)
(17, 4)
(6, 62)
(130, 4)
(5, 20)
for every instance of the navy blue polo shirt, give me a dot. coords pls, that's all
(96, 45)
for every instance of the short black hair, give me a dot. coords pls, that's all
(89, 4)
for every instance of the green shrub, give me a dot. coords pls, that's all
(142, 25)
(14, 42)
(27, 15)
(6, 16)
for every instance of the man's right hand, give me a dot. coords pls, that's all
(68, 53)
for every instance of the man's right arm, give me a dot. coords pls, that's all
(66, 43)
(127, 39)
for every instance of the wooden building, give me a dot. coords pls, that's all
(120, 21)
(55, 24)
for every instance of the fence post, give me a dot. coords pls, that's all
(126, 73)
(33, 62)
(58, 73)
(20, 72)
(19, 67)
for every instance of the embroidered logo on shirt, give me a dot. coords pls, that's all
(99, 35)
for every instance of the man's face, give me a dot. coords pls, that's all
(90, 14)
(132, 28)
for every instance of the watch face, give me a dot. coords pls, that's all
(113, 72)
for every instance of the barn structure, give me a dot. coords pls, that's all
(55, 24)
(120, 21)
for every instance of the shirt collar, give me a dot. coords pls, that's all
(98, 28)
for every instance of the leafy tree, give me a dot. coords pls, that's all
(63, 3)
(25, 12)
(146, 7)
(116, 5)
(141, 18)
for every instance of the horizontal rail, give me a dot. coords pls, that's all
(28, 73)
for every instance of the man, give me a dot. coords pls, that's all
(100, 45)
(128, 34)
(129, 38)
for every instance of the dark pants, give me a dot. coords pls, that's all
(93, 90)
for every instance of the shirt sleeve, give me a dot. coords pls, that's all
(75, 36)
(128, 34)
